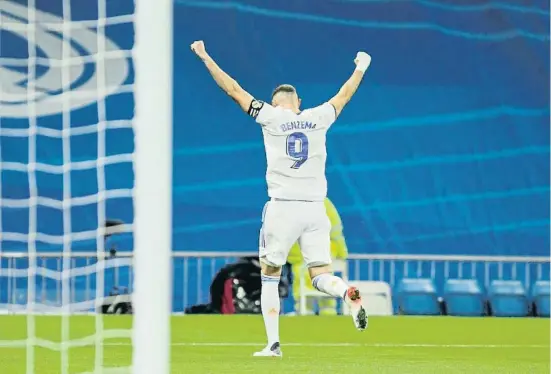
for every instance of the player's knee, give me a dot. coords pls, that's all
(318, 270)
(273, 258)
(271, 270)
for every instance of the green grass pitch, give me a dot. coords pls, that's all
(317, 345)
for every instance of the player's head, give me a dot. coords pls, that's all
(286, 96)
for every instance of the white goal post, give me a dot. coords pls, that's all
(85, 92)
(153, 187)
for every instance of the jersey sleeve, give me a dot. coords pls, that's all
(262, 112)
(325, 114)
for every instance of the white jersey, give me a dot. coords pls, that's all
(295, 150)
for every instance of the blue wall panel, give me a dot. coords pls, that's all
(444, 149)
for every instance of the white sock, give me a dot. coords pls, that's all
(270, 304)
(330, 284)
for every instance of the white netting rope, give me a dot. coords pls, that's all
(33, 192)
(66, 65)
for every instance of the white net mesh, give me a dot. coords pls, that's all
(66, 143)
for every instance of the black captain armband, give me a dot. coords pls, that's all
(255, 107)
(334, 110)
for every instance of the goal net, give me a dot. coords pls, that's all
(85, 138)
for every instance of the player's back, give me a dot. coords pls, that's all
(295, 150)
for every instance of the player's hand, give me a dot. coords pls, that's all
(362, 60)
(199, 48)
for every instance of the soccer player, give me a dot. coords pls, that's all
(295, 151)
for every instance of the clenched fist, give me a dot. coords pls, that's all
(363, 60)
(199, 48)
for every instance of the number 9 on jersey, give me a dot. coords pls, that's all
(297, 148)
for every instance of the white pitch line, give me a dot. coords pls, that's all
(52, 345)
(376, 345)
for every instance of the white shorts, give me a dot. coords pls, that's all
(284, 222)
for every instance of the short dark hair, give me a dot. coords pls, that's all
(286, 88)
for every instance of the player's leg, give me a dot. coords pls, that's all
(276, 237)
(325, 281)
(270, 306)
(315, 244)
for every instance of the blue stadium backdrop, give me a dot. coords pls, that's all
(444, 149)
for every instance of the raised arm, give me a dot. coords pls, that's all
(348, 89)
(224, 81)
